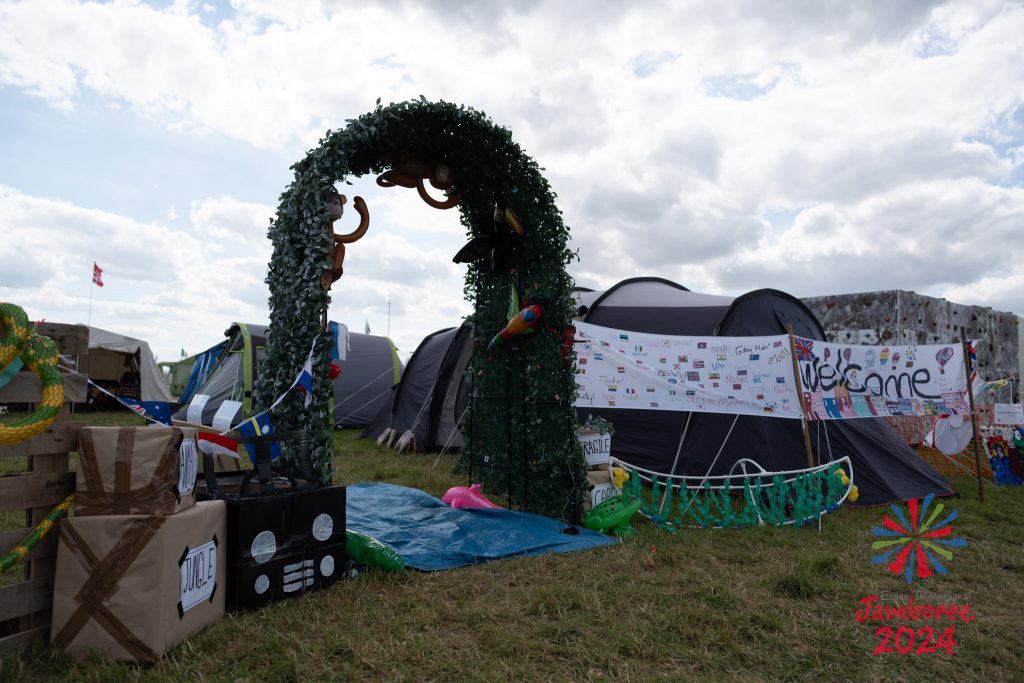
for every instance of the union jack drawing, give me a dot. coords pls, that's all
(804, 348)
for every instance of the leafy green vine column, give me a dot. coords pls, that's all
(522, 412)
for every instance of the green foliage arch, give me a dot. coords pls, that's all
(521, 422)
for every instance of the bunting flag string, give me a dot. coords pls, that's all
(158, 412)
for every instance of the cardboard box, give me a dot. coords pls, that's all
(133, 586)
(284, 545)
(597, 447)
(135, 471)
(601, 488)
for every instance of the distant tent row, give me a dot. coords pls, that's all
(371, 369)
(431, 398)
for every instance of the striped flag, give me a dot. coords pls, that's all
(339, 341)
(305, 381)
(97, 274)
(217, 444)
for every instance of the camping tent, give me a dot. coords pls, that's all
(885, 467)
(369, 371)
(188, 374)
(124, 366)
(433, 394)
(176, 374)
(202, 365)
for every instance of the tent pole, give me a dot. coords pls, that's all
(679, 448)
(968, 368)
(675, 463)
(800, 395)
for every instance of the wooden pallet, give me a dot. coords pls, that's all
(41, 480)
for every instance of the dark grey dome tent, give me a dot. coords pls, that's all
(885, 467)
(424, 410)
(370, 370)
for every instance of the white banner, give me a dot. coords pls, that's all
(841, 381)
(733, 375)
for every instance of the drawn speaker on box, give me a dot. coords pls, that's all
(285, 538)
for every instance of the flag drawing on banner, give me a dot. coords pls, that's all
(339, 341)
(366, 327)
(259, 426)
(218, 444)
(97, 274)
(614, 376)
(305, 381)
(804, 349)
(844, 381)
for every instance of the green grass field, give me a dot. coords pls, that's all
(748, 605)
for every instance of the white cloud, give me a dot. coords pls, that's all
(816, 147)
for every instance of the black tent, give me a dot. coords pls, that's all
(432, 396)
(885, 467)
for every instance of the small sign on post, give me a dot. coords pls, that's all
(1008, 414)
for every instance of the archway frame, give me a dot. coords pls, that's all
(521, 435)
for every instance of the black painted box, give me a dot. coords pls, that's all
(283, 545)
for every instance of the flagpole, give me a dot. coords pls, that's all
(800, 395)
(92, 285)
(968, 368)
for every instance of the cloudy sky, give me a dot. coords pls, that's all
(814, 146)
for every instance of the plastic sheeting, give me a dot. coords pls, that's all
(431, 536)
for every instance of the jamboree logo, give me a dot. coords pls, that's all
(911, 544)
(917, 543)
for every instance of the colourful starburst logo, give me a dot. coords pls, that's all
(917, 543)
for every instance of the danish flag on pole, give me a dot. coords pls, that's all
(97, 274)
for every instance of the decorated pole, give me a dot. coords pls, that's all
(968, 369)
(800, 395)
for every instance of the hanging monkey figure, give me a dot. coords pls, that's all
(335, 208)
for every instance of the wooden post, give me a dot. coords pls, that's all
(968, 367)
(800, 395)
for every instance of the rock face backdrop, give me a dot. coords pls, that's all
(898, 317)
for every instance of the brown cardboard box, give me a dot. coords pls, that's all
(133, 586)
(599, 488)
(135, 471)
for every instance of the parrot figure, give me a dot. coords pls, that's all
(521, 323)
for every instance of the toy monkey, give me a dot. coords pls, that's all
(335, 208)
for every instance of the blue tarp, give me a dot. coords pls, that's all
(431, 536)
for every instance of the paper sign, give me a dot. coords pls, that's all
(1008, 414)
(195, 408)
(187, 467)
(602, 492)
(597, 448)
(226, 415)
(198, 575)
